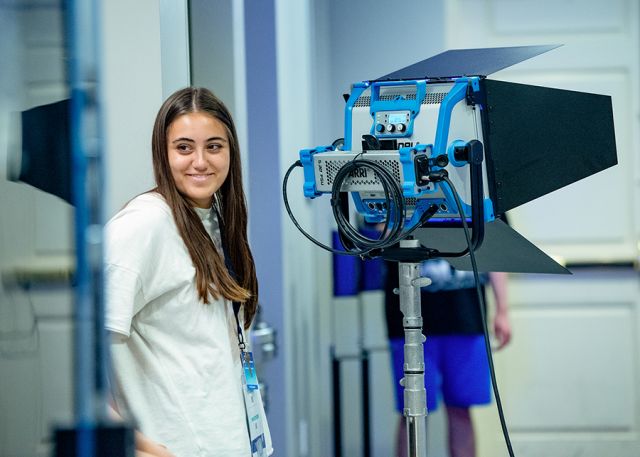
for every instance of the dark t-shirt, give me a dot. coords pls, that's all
(444, 312)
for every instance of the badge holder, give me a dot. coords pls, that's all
(252, 397)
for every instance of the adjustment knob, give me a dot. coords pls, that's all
(380, 128)
(401, 127)
(391, 128)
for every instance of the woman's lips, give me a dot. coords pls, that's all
(200, 177)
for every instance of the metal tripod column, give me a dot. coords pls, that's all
(415, 395)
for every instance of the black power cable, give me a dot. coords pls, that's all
(474, 266)
(285, 180)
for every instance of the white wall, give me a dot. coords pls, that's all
(132, 93)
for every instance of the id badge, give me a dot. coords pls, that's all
(249, 370)
(253, 406)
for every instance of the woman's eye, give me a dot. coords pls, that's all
(183, 147)
(214, 146)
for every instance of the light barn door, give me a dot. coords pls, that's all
(570, 379)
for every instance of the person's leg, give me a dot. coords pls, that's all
(465, 383)
(401, 437)
(462, 441)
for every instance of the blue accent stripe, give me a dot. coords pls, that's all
(455, 95)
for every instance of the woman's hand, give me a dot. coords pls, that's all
(146, 454)
(159, 451)
(145, 447)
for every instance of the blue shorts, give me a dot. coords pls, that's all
(455, 366)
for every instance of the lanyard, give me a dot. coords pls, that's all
(236, 311)
(236, 305)
(251, 391)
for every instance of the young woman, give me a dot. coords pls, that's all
(177, 258)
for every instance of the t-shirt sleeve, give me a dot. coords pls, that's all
(133, 245)
(123, 297)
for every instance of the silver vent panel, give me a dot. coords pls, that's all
(432, 98)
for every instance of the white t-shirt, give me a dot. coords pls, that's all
(176, 368)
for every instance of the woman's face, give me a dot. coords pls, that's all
(199, 152)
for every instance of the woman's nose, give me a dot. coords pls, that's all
(199, 159)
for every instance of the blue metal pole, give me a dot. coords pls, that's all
(90, 348)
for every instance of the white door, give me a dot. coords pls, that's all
(569, 380)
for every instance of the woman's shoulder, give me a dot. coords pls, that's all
(149, 202)
(145, 215)
(149, 207)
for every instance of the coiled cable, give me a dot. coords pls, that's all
(393, 227)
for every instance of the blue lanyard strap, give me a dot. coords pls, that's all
(227, 262)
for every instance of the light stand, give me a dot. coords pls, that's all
(415, 394)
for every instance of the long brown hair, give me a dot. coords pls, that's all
(212, 276)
